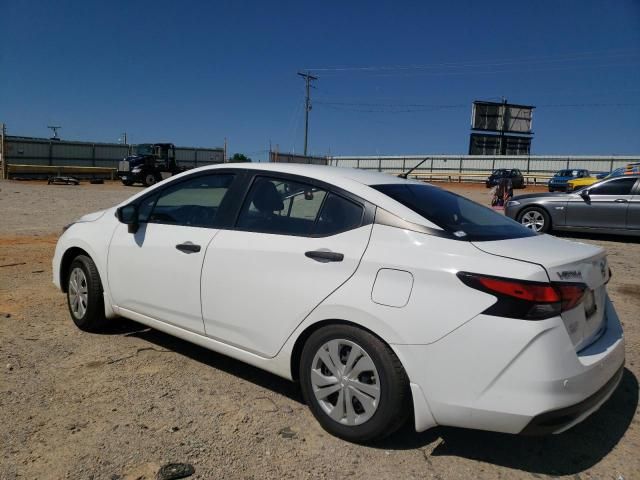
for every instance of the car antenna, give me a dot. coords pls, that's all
(406, 174)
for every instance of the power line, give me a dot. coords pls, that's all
(578, 56)
(412, 108)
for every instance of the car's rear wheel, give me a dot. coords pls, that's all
(353, 383)
(84, 295)
(535, 218)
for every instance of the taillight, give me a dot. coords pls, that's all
(572, 295)
(524, 299)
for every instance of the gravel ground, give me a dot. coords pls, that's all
(121, 404)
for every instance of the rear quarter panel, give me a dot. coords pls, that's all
(438, 303)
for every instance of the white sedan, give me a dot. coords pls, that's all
(383, 297)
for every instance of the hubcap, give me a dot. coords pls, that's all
(345, 382)
(78, 293)
(533, 220)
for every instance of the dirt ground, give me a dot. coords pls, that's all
(119, 405)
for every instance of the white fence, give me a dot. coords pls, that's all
(540, 164)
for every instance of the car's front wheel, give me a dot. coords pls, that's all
(84, 294)
(353, 383)
(535, 218)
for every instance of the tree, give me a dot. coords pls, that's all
(239, 158)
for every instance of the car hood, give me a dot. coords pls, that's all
(562, 179)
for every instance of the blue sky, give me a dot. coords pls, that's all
(394, 77)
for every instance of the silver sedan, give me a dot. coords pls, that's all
(610, 206)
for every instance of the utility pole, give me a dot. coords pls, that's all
(224, 154)
(503, 143)
(308, 78)
(54, 129)
(3, 158)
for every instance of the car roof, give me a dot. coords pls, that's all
(324, 173)
(356, 181)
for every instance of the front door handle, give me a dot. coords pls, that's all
(324, 256)
(621, 200)
(188, 247)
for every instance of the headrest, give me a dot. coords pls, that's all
(267, 199)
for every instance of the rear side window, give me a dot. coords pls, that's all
(281, 206)
(286, 207)
(338, 215)
(194, 202)
(621, 186)
(464, 219)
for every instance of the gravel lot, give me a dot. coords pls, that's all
(120, 404)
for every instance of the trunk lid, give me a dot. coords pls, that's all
(565, 262)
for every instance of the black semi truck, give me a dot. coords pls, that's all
(149, 163)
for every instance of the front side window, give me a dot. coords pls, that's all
(621, 186)
(462, 218)
(194, 202)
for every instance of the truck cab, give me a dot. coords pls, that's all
(149, 163)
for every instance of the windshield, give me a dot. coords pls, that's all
(144, 149)
(500, 172)
(617, 172)
(464, 219)
(567, 173)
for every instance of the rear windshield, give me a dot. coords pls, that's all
(464, 219)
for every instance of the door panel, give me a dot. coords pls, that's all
(156, 271)
(605, 207)
(150, 276)
(602, 211)
(257, 287)
(633, 213)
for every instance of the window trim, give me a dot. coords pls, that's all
(632, 191)
(368, 208)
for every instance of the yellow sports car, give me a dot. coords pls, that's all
(578, 183)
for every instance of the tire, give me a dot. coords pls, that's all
(387, 399)
(127, 183)
(551, 189)
(87, 311)
(535, 218)
(149, 179)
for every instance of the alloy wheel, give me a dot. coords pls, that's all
(533, 220)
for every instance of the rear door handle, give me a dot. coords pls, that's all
(324, 256)
(188, 247)
(621, 200)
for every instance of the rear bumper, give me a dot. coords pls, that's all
(513, 376)
(562, 419)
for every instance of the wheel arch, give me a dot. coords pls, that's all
(65, 264)
(296, 352)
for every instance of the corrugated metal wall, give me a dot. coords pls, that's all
(41, 151)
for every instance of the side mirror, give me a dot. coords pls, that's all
(585, 194)
(129, 216)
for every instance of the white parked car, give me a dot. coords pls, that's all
(383, 297)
